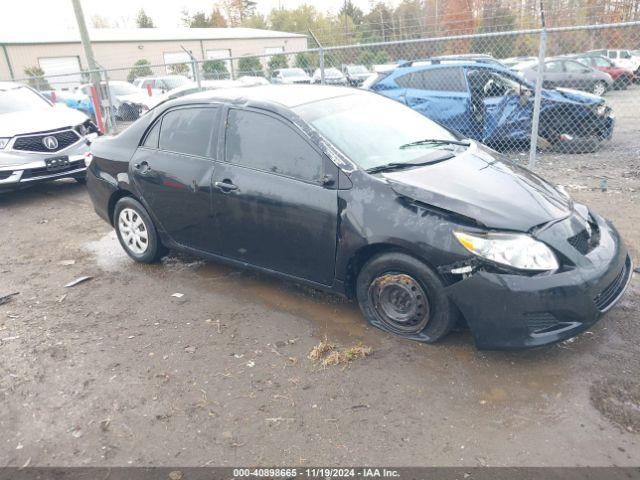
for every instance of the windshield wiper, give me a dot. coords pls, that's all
(387, 167)
(434, 141)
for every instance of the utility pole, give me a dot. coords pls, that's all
(86, 42)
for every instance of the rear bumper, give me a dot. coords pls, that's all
(506, 311)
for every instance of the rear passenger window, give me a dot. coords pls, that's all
(152, 137)
(437, 79)
(259, 141)
(189, 130)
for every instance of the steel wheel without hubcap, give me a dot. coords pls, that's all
(133, 231)
(400, 302)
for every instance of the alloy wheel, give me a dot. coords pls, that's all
(599, 89)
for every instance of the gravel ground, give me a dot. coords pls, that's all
(117, 371)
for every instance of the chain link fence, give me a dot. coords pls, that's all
(484, 86)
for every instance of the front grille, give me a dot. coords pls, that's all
(34, 143)
(43, 171)
(605, 298)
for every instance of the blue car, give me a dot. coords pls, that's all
(495, 106)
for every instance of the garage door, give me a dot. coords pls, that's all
(178, 62)
(68, 69)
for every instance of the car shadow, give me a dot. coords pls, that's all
(64, 188)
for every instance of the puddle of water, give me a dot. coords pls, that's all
(108, 253)
(332, 316)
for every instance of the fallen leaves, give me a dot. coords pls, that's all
(328, 354)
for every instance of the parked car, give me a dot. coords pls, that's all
(332, 76)
(350, 192)
(495, 106)
(72, 99)
(467, 57)
(512, 61)
(622, 77)
(622, 58)
(39, 140)
(568, 73)
(356, 74)
(161, 84)
(128, 101)
(246, 81)
(290, 76)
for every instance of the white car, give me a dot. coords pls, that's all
(162, 84)
(290, 76)
(128, 101)
(622, 58)
(246, 81)
(332, 76)
(40, 141)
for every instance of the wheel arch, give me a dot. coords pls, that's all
(115, 196)
(363, 254)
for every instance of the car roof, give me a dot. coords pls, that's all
(10, 85)
(288, 96)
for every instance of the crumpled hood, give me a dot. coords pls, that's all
(478, 185)
(577, 96)
(32, 121)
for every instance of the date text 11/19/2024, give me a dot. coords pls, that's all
(316, 472)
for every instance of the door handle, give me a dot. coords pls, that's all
(226, 185)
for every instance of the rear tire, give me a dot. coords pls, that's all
(136, 232)
(400, 294)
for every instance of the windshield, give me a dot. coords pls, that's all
(371, 129)
(21, 98)
(293, 72)
(357, 69)
(175, 82)
(122, 88)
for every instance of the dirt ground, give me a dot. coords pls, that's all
(117, 371)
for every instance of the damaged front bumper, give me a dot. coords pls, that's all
(511, 311)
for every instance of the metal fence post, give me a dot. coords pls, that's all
(321, 54)
(111, 121)
(535, 124)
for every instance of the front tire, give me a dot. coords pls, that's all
(400, 294)
(136, 232)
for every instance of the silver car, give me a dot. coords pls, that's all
(567, 73)
(40, 141)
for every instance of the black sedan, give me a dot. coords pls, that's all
(351, 192)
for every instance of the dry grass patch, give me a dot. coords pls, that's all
(328, 354)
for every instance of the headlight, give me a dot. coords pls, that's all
(4, 142)
(516, 250)
(88, 157)
(601, 110)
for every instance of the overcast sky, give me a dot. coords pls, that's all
(54, 14)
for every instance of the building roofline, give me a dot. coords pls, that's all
(113, 35)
